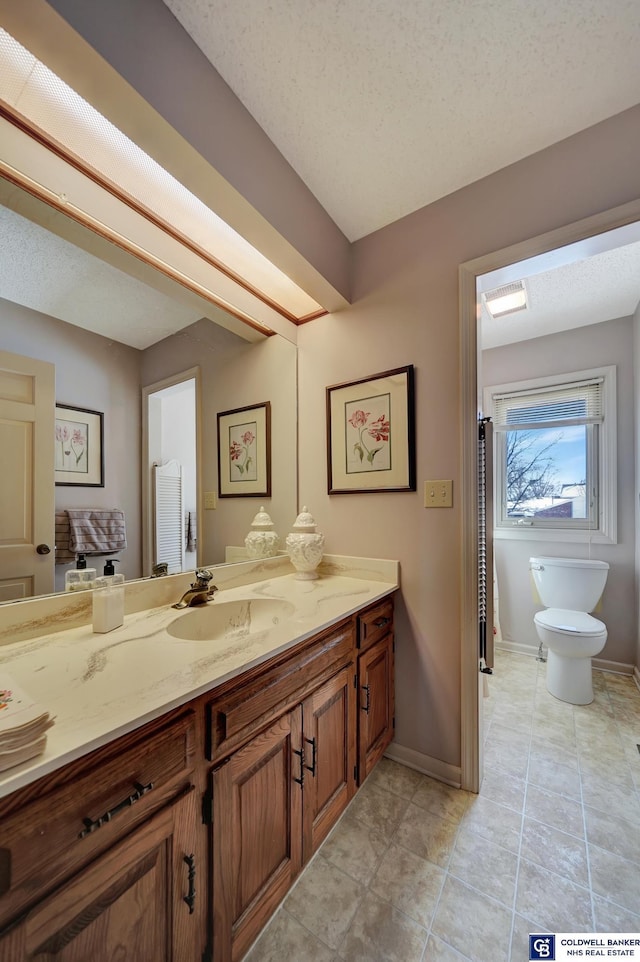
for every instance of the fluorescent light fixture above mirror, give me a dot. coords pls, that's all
(507, 299)
(33, 91)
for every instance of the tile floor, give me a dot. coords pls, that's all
(416, 871)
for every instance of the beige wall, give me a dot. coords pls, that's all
(102, 375)
(406, 311)
(580, 349)
(235, 374)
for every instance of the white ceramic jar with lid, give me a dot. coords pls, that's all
(262, 541)
(305, 546)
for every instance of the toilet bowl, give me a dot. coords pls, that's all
(570, 588)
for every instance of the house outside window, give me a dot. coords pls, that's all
(555, 457)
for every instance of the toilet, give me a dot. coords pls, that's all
(569, 588)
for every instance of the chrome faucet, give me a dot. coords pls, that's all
(200, 591)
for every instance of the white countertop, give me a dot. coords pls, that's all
(99, 687)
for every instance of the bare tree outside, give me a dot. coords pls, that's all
(530, 468)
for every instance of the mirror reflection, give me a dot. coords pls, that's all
(156, 361)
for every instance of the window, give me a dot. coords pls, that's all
(555, 457)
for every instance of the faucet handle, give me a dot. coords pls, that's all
(203, 577)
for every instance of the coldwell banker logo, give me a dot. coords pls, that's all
(542, 947)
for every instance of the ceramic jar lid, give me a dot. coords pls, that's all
(304, 522)
(262, 521)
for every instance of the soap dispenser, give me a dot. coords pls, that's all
(80, 578)
(108, 599)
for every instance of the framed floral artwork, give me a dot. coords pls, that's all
(244, 452)
(79, 452)
(371, 434)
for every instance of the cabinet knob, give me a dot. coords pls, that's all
(43, 549)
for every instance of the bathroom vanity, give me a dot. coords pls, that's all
(171, 829)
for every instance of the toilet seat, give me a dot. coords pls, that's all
(567, 622)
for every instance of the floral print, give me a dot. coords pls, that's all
(378, 430)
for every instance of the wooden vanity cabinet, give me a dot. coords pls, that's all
(97, 859)
(276, 798)
(376, 705)
(134, 903)
(177, 842)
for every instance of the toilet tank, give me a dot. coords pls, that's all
(571, 583)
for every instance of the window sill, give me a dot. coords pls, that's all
(531, 533)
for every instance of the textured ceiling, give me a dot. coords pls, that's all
(42, 271)
(600, 288)
(384, 106)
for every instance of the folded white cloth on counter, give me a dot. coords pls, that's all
(23, 724)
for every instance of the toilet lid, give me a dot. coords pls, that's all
(571, 622)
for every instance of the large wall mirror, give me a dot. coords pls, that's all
(112, 325)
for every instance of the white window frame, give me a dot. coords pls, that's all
(605, 531)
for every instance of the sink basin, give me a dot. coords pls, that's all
(230, 619)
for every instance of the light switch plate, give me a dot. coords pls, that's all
(438, 494)
(210, 501)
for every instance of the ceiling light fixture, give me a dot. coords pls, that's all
(507, 299)
(31, 90)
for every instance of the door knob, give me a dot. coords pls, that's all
(43, 549)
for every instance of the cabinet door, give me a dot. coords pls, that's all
(329, 728)
(127, 905)
(376, 707)
(257, 833)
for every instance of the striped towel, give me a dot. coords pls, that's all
(64, 554)
(96, 531)
(190, 530)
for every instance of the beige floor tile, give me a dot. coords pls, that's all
(410, 883)
(378, 809)
(542, 751)
(508, 757)
(473, 924)
(615, 798)
(503, 788)
(285, 938)
(355, 848)
(613, 834)
(485, 866)
(395, 778)
(556, 902)
(565, 854)
(513, 717)
(613, 918)
(441, 799)
(615, 878)
(439, 951)
(555, 810)
(557, 778)
(522, 929)
(427, 835)
(325, 900)
(380, 933)
(494, 822)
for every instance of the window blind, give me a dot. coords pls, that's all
(577, 403)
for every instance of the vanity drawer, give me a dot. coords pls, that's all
(375, 623)
(103, 796)
(262, 694)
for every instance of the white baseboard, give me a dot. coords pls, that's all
(636, 676)
(602, 664)
(450, 774)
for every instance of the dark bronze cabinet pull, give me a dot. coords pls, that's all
(300, 755)
(381, 622)
(367, 704)
(190, 898)
(312, 767)
(90, 825)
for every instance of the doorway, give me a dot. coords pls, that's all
(171, 485)
(471, 406)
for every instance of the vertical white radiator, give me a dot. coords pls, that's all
(168, 515)
(485, 544)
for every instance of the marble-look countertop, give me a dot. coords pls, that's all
(101, 686)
